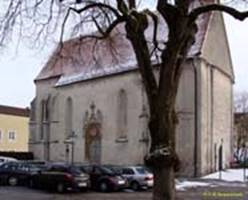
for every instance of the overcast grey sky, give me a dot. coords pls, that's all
(19, 70)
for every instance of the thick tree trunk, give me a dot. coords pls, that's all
(164, 185)
(162, 125)
(163, 159)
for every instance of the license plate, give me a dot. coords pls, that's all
(150, 183)
(82, 184)
(121, 182)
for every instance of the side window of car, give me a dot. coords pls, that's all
(5, 166)
(96, 170)
(23, 167)
(128, 171)
(13, 166)
(52, 169)
(20, 167)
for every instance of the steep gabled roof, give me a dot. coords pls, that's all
(81, 60)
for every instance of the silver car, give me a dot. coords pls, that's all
(138, 177)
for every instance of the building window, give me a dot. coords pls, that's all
(68, 117)
(42, 118)
(53, 111)
(122, 115)
(12, 135)
(44, 111)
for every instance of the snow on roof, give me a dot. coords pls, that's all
(80, 60)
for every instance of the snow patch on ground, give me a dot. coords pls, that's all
(189, 184)
(229, 175)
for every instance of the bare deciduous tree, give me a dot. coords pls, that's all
(241, 118)
(41, 18)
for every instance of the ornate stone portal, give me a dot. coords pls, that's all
(93, 136)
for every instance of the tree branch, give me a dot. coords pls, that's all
(122, 7)
(217, 7)
(183, 5)
(97, 5)
(105, 34)
(169, 13)
(155, 28)
(132, 4)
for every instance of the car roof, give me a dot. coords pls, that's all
(7, 158)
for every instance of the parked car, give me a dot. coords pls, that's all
(16, 173)
(138, 177)
(104, 179)
(60, 177)
(4, 159)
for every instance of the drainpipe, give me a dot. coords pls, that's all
(195, 117)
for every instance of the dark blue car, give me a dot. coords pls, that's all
(16, 173)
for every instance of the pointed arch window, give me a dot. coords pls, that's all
(54, 109)
(122, 115)
(68, 117)
(44, 117)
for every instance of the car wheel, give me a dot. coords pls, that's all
(135, 186)
(103, 186)
(12, 181)
(60, 188)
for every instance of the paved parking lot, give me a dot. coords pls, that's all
(225, 192)
(22, 193)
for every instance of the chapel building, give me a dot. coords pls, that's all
(90, 104)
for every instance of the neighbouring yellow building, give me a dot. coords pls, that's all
(14, 129)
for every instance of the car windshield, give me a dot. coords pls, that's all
(117, 170)
(85, 169)
(75, 170)
(107, 170)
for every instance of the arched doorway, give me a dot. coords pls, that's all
(93, 143)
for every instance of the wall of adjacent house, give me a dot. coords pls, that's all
(14, 133)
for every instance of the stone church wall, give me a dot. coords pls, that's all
(216, 120)
(102, 96)
(103, 92)
(186, 116)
